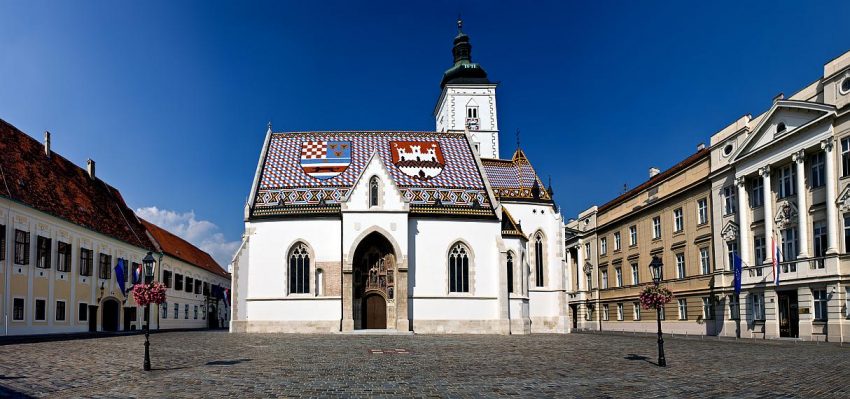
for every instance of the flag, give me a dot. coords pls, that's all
(119, 275)
(137, 274)
(776, 255)
(738, 270)
(226, 296)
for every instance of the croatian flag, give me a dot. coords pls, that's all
(226, 296)
(776, 255)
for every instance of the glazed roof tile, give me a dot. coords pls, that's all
(56, 186)
(315, 171)
(515, 179)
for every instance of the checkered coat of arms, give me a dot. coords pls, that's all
(325, 159)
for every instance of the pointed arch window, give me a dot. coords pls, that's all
(538, 260)
(299, 269)
(459, 268)
(374, 190)
(510, 272)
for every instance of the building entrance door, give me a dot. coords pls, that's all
(789, 316)
(375, 311)
(574, 314)
(92, 318)
(110, 315)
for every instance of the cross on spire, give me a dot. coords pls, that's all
(517, 138)
(459, 24)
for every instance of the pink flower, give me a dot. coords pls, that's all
(145, 294)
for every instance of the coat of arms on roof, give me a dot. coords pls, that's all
(325, 159)
(418, 159)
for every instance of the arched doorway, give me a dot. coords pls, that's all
(374, 283)
(111, 315)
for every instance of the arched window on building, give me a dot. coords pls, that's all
(538, 260)
(510, 272)
(459, 268)
(299, 269)
(374, 190)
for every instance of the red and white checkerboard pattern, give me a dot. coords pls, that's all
(314, 150)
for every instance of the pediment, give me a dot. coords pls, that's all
(843, 201)
(391, 198)
(786, 214)
(785, 118)
(730, 231)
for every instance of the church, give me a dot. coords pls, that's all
(425, 232)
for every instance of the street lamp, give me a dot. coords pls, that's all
(148, 263)
(655, 267)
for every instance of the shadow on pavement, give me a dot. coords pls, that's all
(227, 362)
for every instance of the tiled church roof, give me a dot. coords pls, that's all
(313, 172)
(54, 185)
(515, 179)
(181, 249)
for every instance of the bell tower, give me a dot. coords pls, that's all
(468, 99)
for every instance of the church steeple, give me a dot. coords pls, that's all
(463, 70)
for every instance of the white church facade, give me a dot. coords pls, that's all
(410, 231)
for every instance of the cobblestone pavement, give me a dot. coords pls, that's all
(219, 364)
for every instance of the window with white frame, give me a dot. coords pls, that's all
(632, 235)
(605, 312)
(847, 233)
(17, 309)
(165, 310)
(83, 311)
(729, 200)
(757, 306)
(845, 156)
(195, 312)
(680, 265)
(40, 310)
(603, 245)
(538, 260)
(787, 182)
(683, 309)
(789, 249)
(176, 311)
(459, 268)
(756, 193)
(299, 269)
(760, 251)
(821, 302)
(636, 311)
(847, 302)
(604, 279)
(619, 274)
(707, 308)
(818, 161)
(731, 251)
(374, 191)
(587, 250)
(60, 311)
(635, 279)
(819, 242)
(734, 308)
(617, 241)
(620, 311)
(704, 261)
(656, 227)
(510, 272)
(702, 211)
(678, 220)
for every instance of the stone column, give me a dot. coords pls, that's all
(347, 294)
(569, 271)
(831, 211)
(768, 211)
(799, 159)
(743, 221)
(580, 265)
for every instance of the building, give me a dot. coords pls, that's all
(779, 181)
(196, 283)
(581, 261)
(63, 231)
(409, 231)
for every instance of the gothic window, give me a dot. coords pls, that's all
(299, 269)
(459, 268)
(374, 190)
(510, 272)
(538, 260)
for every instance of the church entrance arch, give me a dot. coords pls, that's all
(374, 283)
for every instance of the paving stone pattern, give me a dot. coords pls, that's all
(219, 364)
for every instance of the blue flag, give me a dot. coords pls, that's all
(738, 270)
(119, 275)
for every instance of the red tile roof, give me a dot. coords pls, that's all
(56, 186)
(183, 250)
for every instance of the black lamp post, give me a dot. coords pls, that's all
(148, 263)
(655, 267)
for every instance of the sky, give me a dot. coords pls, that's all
(172, 99)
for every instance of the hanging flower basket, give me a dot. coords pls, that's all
(145, 294)
(652, 297)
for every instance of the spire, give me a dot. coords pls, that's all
(459, 25)
(463, 70)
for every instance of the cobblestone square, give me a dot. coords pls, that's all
(219, 364)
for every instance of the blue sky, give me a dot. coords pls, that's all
(172, 98)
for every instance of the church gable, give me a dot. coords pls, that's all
(375, 190)
(783, 120)
(515, 179)
(315, 172)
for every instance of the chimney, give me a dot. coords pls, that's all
(90, 164)
(653, 172)
(47, 143)
(700, 146)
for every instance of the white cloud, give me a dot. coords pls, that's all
(201, 233)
